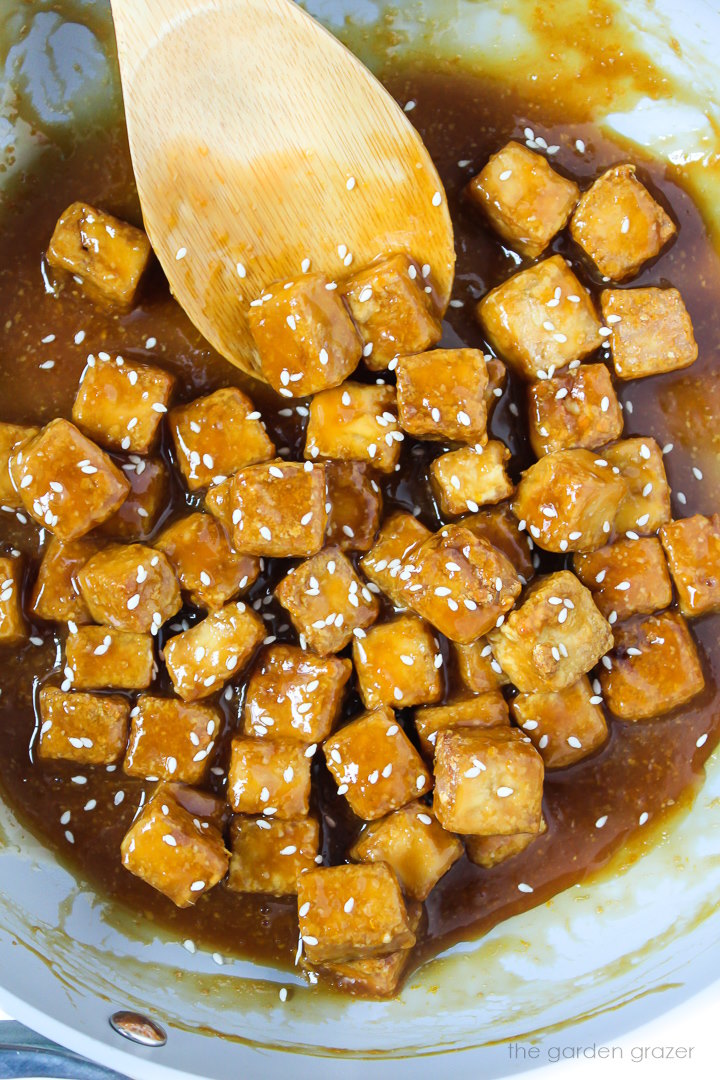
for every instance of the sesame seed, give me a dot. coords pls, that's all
(180, 253)
(601, 821)
(504, 792)
(523, 887)
(643, 818)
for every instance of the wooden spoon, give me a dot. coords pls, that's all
(262, 147)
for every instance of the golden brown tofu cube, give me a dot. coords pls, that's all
(398, 664)
(499, 526)
(269, 777)
(441, 395)
(130, 587)
(56, 592)
(214, 436)
(90, 729)
(120, 405)
(269, 855)
(486, 710)
(327, 601)
(355, 505)
(569, 500)
(375, 976)
(375, 765)
(305, 337)
(525, 200)
(12, 436)
(466, 479)
(13, 629)
(208, 569)
(651, 331)
(202, 659)
(629, 577)
(478, 669)
(413, 844)
(171, 739)
(540, 319)
(488, 783)
(489, 851)
(554, 637)
(66, 482)
(294, 695)
(646, 506)
(389, 563)
(169, 849)
(279, 509)
(351, 912)
(108, 254)
(619, 225)
(354, 422)
(654, 668)
(99, 657)
(565, 726)
(574, 409)
(139, 514)
(392, 310)
(692, 547)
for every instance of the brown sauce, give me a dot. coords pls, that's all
(644, 769)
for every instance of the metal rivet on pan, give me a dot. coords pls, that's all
(138, 1028)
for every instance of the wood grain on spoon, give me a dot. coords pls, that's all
(262, 147)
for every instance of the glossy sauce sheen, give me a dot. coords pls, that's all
(644, 769)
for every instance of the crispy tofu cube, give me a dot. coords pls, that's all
(478, 669)
(293, 695)
(169, 849)
(486, 710)
(100, 657)
(214, 436)
(351, 912)
(629, 577)
(209, 571)
(355, 505)
(120, 405)
(499, 526)
(202, 659)
(108, 254)
(619, 225)
(389, 563)
(441, 395)
(392, 311)
(488, 783)
(90, 729)
(651, 331)
(279, 509)
(268, 855)
(489, 851)
(692, 547)
(12, 436)
(466, 479)
(654, 668)
(574, 409)
(646, 506)
(554, 637)
(354, 422)
(66, 482)
(305, 337)
(413, 844)
(398, 664)
(13, 629)
(565, 725)
(171, 739)
(130, 587)
(269, 777)
(525, 200)
(375, 765)
(56, 593)
(569, 500)
(327, 601)
(530, 335)
(139, 514)
(375, 976)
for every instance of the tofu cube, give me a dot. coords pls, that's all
(646, 505)
(279, 509)
(651, 331)
(268, 855)
(499, 526)
(13, 629)
(574, 409)
(66, 482)
(411, 842)
(139, 514)
(532, 337)
(269, 777)
(209, 571)
(355, 505)
(466, 479)
(99, 657)
(526, 201)
(327, 601)
(565, 725)
(392, 310)
(389, 564)
(478, 669)
(619, 225)
(692, 547)
(629, 577)
(488, 783)
(305, 337)
(108, 254)
(654, 668)
(202, 659)
(90, 729)
(120, 405)
(354, 422)
(554, 637)
(294, 695)
(375, 976)
(130, 587)
(214, 436)
(441, 395)
(486, 710)
(489, 851)
(398, 664)
(351, 912)
(56, 593)
(171, 739)
(569, 500)
(12, 436)
(375, 765)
